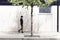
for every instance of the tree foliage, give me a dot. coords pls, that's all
(33, 2)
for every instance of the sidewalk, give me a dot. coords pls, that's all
(11, 35)
(22, 35)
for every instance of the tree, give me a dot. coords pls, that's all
(32, 3)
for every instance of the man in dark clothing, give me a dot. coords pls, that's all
(21, 23)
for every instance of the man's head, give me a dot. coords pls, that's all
(21, 16)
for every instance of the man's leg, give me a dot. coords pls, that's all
(19, 30)
(22, 28)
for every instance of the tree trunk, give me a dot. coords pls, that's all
(57, 16)
(31, 20)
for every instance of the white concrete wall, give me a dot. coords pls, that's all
(10, 15)
(45, 22)
(9, 18)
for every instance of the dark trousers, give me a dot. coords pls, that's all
(21, 30)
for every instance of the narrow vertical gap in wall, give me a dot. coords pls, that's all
(57, 16)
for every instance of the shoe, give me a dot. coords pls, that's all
(19, 31)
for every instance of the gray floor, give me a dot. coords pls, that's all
(28, 39)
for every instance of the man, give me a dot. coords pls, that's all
(21, 23)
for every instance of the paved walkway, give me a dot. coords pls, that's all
(22, 35)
